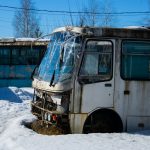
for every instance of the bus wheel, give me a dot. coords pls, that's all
(103, 121)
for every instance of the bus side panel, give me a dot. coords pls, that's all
(131, 99)
(138, 123)
(139, 98)
(120, 100)
(97, 95)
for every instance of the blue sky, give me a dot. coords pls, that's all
(49, 21)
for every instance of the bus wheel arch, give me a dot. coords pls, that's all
(103, 121)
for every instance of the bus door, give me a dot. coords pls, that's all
(96, 75)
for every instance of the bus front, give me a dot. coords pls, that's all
(53, 80)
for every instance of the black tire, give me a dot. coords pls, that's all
(103, 122)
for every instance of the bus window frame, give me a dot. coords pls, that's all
(121, 60)
(81, 78)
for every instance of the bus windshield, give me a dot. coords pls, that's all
(58, 62)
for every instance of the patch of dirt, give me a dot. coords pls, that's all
(40, 128)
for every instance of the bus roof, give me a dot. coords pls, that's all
(137, 32)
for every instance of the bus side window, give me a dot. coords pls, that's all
(4, 55)
(33, 55)
(135, 64)
(104, 64)
(97, 61)
(89, 65)
(15, 56)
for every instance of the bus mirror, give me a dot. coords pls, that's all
(34, 72)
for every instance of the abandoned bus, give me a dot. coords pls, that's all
(18, 58)
(95, 80)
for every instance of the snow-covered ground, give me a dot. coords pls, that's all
(15, 110)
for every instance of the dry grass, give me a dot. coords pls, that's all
(40, 128)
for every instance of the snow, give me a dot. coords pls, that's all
(32, 39)
(12, 39)
(135, 27)
(15, 112)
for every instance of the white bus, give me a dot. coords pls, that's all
(95, 80)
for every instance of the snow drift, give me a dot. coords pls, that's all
(15, 112)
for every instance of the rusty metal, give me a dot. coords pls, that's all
(45, 110)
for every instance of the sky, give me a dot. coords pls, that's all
(49, 21)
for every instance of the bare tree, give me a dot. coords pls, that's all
(89, 17)
(82, 20)
(107, 18)
(91, 10)
(146, 19)
(96, 14)
(25, 21)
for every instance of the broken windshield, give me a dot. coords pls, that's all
(58, 62)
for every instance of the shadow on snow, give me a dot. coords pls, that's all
(9, 95)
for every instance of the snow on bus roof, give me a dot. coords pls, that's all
(69, 28)
(12, 39)
(135, 27)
